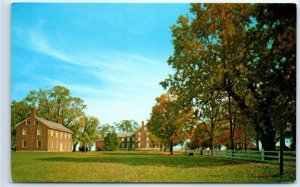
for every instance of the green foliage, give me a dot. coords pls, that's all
(169, 121)
(104, 129)
(127, 126)
(19, 111)
(111, 141)
(88, 131)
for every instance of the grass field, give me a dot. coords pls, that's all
(140, 166)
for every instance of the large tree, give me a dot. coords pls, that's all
(244, 50)
(169, 121)
(57, 102)
(88, 132)
(19, 112)
(111, 141)
(127, 126)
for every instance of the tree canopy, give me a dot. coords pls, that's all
(169, 121)
(127, 126)
(245, 52)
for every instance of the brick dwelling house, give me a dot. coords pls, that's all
(38, 134)
(142, 140)
(138, 140)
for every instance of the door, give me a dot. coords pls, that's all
(61, 147)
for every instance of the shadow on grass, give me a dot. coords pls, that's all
(182, 161)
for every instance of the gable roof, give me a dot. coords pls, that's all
(124, 135)
(49, 124)
(53, 125)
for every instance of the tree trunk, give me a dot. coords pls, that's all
(74, 146)
(231, 124)
(293, 129)
(171, 148)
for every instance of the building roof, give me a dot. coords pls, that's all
(126, 134)
(53, 125)
(50, 124)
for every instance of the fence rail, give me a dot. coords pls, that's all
(289, 157)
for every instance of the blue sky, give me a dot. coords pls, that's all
(113, 56)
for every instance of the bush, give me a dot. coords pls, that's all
(111, 142)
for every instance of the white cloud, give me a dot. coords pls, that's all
(132, 79)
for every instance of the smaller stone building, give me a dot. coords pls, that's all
(38, 134)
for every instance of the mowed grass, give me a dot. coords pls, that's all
(140, 166)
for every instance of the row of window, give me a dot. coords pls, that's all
(139, 134)
(147, 145)
(139, 139)
(63, 145)
(39, 133)
(39, 144)
(128, 139)
(66, 135)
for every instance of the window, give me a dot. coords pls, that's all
(52, 133)
(24, 143)
(39, 144)
(51, 143)
(139, 144)
(147, 144)
(139, 139)
(145, 128)
(56, 133)
(26, 123)
(139, 133)
(69, 136)
(147, 133)
(147, 138)
(61, 134)
(123, 139)
(132, 138)
(24, 131)
(39, 131)
(65, 135)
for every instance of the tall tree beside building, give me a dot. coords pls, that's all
(169, 121)
(19, 111)
(111, 141)
(89, 132)
(127, 126)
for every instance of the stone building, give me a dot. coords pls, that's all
(38, 134)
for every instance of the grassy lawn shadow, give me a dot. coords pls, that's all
(143, 159)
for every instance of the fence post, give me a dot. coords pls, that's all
(262, 155)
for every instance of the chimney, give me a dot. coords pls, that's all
(59, 120)
(143, 124)
(33, 113)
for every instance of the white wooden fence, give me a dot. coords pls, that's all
(289, 157)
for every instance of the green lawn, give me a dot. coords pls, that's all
(140, 166)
